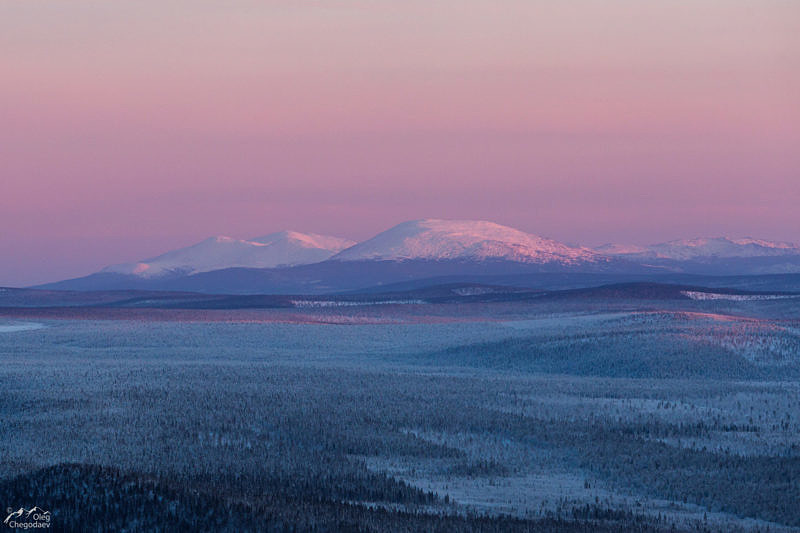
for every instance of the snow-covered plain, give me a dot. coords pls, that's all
(24, 326)
(546, 413)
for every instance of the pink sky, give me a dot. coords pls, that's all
(130, 128)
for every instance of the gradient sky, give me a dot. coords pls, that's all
(128, 128)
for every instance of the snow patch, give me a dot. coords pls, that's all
(334, 303)
(473, 291)
(695, 295)
(24, 326)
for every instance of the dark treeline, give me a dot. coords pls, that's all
(92, 498)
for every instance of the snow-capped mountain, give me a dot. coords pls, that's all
(286, 248)
(474, 240)
(456, 250)
(703, 248)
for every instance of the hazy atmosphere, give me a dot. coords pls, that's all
(130, 129)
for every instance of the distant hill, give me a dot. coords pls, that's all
(713, 256)
(286, 248)
(327, 276)
(461, 293)
(704, 248)
(412, 252)
(465, 240)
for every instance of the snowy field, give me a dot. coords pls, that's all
(19, 326)
(573, 417)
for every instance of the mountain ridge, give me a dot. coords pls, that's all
(704, 247)
(290, 261)
(286, 248)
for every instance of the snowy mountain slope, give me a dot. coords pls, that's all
(466, 250)
(703, 248)
(286, 248)
(621, 249)
(289, 248)
(435, 239)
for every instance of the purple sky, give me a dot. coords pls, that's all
(130, 128)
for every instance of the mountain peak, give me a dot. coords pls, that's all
(285, 248)
(704, 247)
(306, 240)
(438, 239)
